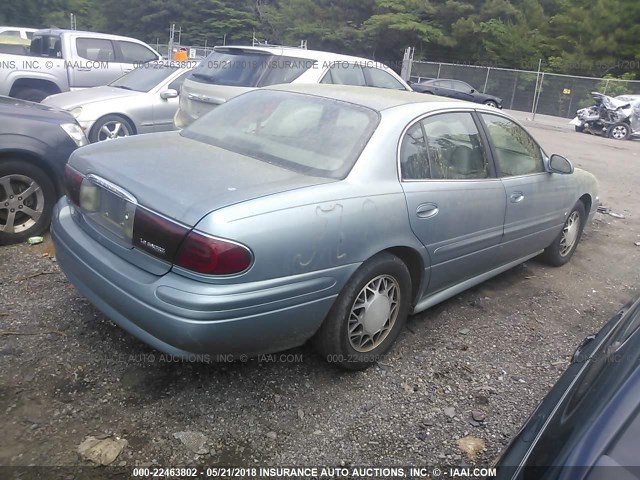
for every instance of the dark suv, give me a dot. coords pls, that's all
(35, 144)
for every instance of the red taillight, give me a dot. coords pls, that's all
(156, 234)
(213, 256)
(72, 182)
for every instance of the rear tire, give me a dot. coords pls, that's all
(579, 129)
(491, 103)
(24, 216)
(368, 315)
(561, 249)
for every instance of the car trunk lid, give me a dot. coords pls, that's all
(168, 183)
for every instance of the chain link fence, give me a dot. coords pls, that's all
(194, 52)
(527, 91)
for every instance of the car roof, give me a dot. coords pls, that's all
(303, 53)
(374, 98)
(58, 31)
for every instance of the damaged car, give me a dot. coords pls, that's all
(311, 212)
(617, 118)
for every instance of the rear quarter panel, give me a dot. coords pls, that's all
(324, 226)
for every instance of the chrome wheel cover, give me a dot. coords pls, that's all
(570, 233)
(374, 313)
(113, 129)
(21, 203)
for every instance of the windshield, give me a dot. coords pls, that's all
(307, 134)
(249, 68)
(144, 77)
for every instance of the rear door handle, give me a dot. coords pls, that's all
(427, 210)
(517, 197)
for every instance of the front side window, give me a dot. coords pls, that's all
(95, 49)
(342, 73)
(135, 53)
(303, 133)
(451, 149)
(517, 153)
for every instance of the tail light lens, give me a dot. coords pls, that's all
(156, 234)
(173, 242)
(73, 182)
(213, 256)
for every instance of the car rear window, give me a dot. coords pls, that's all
(304, 133)
(249, 68)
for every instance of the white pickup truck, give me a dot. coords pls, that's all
(64, 60)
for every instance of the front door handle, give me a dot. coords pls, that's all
(427, 210)
(517, 197)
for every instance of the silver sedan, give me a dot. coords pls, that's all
(311, 212)
(141, 101)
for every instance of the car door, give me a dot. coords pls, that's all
(456, 204)
(129, 55)
(462, 90)
(444, 88)
(96, 64)
(537, 201)
(165, 109)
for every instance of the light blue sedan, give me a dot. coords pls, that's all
(316, 212)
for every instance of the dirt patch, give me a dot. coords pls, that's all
(474, 366)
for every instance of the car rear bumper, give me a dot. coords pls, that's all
(181, 316)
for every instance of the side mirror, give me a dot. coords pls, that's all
(169, 93)
(559, 164)
(472, 91)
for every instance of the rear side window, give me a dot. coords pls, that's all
(447, 148)
(345, 74)
(135, 53)
(95, 49)
(381, 79)
(46, 46)
(285, 70)
(11, 33)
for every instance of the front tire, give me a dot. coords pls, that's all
(561, 249)
(110, 127)
(619, 131)
(368, 315)
(579, 129)
(31, 94)
(27, 196)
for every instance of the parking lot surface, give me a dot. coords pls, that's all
(473, 366)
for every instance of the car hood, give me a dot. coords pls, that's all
(182, 178)
(35, 111)
(70, 100)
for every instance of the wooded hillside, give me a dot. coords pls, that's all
(593, 38)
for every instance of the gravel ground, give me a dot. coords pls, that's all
(475, 365)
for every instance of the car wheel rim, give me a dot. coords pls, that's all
(374, 313)
(492, 104)
(113, 129)
(569, 234)
(21, 203)
(619, 132)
